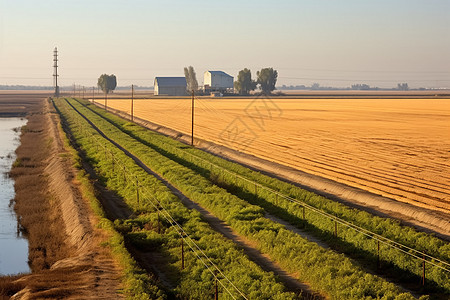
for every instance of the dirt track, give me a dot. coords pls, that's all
(393, 148)
(65, 254)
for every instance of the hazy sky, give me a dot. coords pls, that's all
(378, 42)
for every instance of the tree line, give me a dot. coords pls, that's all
(266, 79)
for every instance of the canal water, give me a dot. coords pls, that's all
(13, 245)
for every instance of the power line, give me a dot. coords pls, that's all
(160, 207)
(391, 243)
(445, 266)
(365, 71)
(367, 80)
(416, 254)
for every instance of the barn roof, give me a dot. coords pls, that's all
(221, 73)
(170, 81)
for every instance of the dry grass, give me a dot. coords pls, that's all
(61, 269)
(40, 218)
(397, 148)
(9, 286)
(64, 283)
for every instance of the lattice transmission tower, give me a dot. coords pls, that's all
(55, 71)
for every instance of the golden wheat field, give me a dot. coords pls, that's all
(398, 148)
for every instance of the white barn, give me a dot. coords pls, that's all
(217, 81)
(170, 86)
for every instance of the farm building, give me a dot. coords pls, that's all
(217, 81)
(170, 86)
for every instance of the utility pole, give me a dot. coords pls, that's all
(182, 253)
(192, 129)
(93, 94)
(423, 274)
(216, 290)
(132, 103)
(55, 71)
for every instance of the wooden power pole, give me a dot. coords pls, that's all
(192, 129)
(132, 102)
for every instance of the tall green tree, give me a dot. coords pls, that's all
(267, 78)
(191, 79)
(244, 83)
(107, 83)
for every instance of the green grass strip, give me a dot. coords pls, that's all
(138, 284)
(194, 282)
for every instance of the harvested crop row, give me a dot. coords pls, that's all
(136, 283)
(327, 271)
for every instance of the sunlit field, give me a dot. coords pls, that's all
(399, 148)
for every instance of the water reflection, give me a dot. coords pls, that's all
(13, 245)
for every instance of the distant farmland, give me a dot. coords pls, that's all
(398, 148)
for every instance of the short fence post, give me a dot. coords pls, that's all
(423, 272)
(137, 192)
(159, 223)
(378, 255)
(216, 292)
(335, 228)
(182, 253)
(304, 217)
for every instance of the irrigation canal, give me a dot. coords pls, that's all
(13, 245)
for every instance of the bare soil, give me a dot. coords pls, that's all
(65, 255)
(19, 103)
